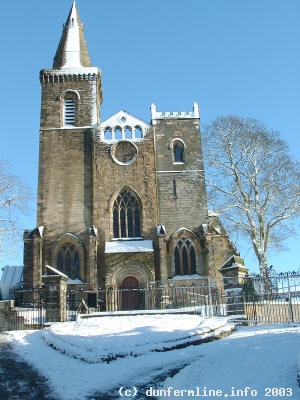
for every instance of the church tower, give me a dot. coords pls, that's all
(70, 108)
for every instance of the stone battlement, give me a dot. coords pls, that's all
(155, 115)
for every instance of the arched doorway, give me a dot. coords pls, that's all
(132, 295)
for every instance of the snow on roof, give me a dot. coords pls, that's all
(11, 277)
(184, 277)
(232, 260)
(12, 274)
(204, 227)
(129, 246)
(73, 71)
(124, 118)
(75, 281)
(72, 43)
(56, 271)
(218, 230)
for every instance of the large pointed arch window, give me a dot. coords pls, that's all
(185, 257)
(126, 215)
(68, 260)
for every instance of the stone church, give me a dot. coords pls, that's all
(116, 205)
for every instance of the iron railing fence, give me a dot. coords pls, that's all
(255, 300)
(188, 299)
(272, 300)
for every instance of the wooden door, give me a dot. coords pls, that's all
(130, 294)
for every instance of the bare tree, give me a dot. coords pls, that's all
(14, 197)
(252, 181)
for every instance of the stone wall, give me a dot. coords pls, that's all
(111, 178)
(6, 310)
(88, 95)
(182, 200)
(65, 181)
(218, 250)
(80, 178)
(65, 187)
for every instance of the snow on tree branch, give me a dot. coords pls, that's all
(14, 197)
(253, 181)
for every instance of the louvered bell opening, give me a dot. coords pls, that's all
(69, 112)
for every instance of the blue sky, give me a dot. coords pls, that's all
(232, 57)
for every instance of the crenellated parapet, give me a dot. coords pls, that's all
(156, 115)
(70, 75)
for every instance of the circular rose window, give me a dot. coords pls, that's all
(124, 152)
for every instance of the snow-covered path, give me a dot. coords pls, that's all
(260, 362)
(257, 358)
(73, 379)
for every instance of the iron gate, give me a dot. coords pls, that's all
(29, 310)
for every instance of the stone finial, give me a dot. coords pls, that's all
(161, 230)
(93, 231)
(196, 110)
(153, 108)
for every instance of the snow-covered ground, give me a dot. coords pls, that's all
(259, 362)
(262, 359)
(108, 338)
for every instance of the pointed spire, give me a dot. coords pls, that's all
(72, 50)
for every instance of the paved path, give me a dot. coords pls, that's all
(18, 380)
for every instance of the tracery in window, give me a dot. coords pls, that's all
(185, 257)
(124, 152)
(126, 215)
(178, 151)
(68, 260)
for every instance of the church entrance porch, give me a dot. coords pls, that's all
(133, 298)
(129, 270)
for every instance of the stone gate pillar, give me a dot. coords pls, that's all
(234, 273)
(55, 295)
(33, 243)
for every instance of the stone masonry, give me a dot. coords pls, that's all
(117, 205)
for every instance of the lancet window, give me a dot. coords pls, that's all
(185, 257)
(68, 261)
(120, 132)
(178, 150)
